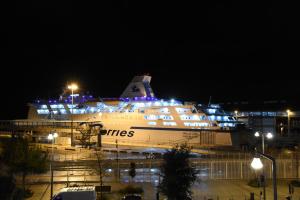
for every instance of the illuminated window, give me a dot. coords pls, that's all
(202, 117)
(44, 106)
(190, 117)
(212, 117)
(63, 111)
(152, 123)
(55, 106)
(151, 117)
(165, 103)
(197, 124)
(140, 104)
(227, 124)
(92, 109)
(166, 117)
(157, 103)
(43, 111)
(211, 111)
(182, 110)
(74, 111)
(70, 105)
(169, 123)
(195, 117)
(82, 111)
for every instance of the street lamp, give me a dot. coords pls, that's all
(263, 135)
(72, 87)
(52, 137)
(256, 164)
(236, 115)
(288, 115)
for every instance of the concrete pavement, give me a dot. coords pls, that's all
(204, 190)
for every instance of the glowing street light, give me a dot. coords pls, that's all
(256, 163)
(263, 135)
(72, 87)
(288, 115)
(269, 135)
(52, 137)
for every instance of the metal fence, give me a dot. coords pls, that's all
(226, 166)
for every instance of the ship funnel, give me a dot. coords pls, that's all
(138, 87)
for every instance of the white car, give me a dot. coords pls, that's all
(76, 193)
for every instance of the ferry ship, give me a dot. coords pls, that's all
(138, 118)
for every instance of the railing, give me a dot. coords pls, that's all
(25, 124)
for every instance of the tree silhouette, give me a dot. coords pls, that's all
(22, 158)
(177, 173)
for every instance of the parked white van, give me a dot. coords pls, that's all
(76, 193)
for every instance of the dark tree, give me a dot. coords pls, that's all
(132, 171)
(22, 158)
(177, 174)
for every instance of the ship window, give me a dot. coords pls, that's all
(70, 105)
(199, 124)
(170, 123)
(44, 106)
(63, 111)
(181, 110)
(157, 103)
(152, 123)
(190, 117)
(43, 111)
(151, 117)
(92, 109)
(211, 111)
(55, 106)
(75, 111)
(165, 103)
(212, 117)
(166, 117)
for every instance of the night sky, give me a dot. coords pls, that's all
(233, 51)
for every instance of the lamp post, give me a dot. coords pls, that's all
(52, 137)
(269, 136)
(263, 135)
(256, 164)
(72, 87)
(236, 115)
(288, 115)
